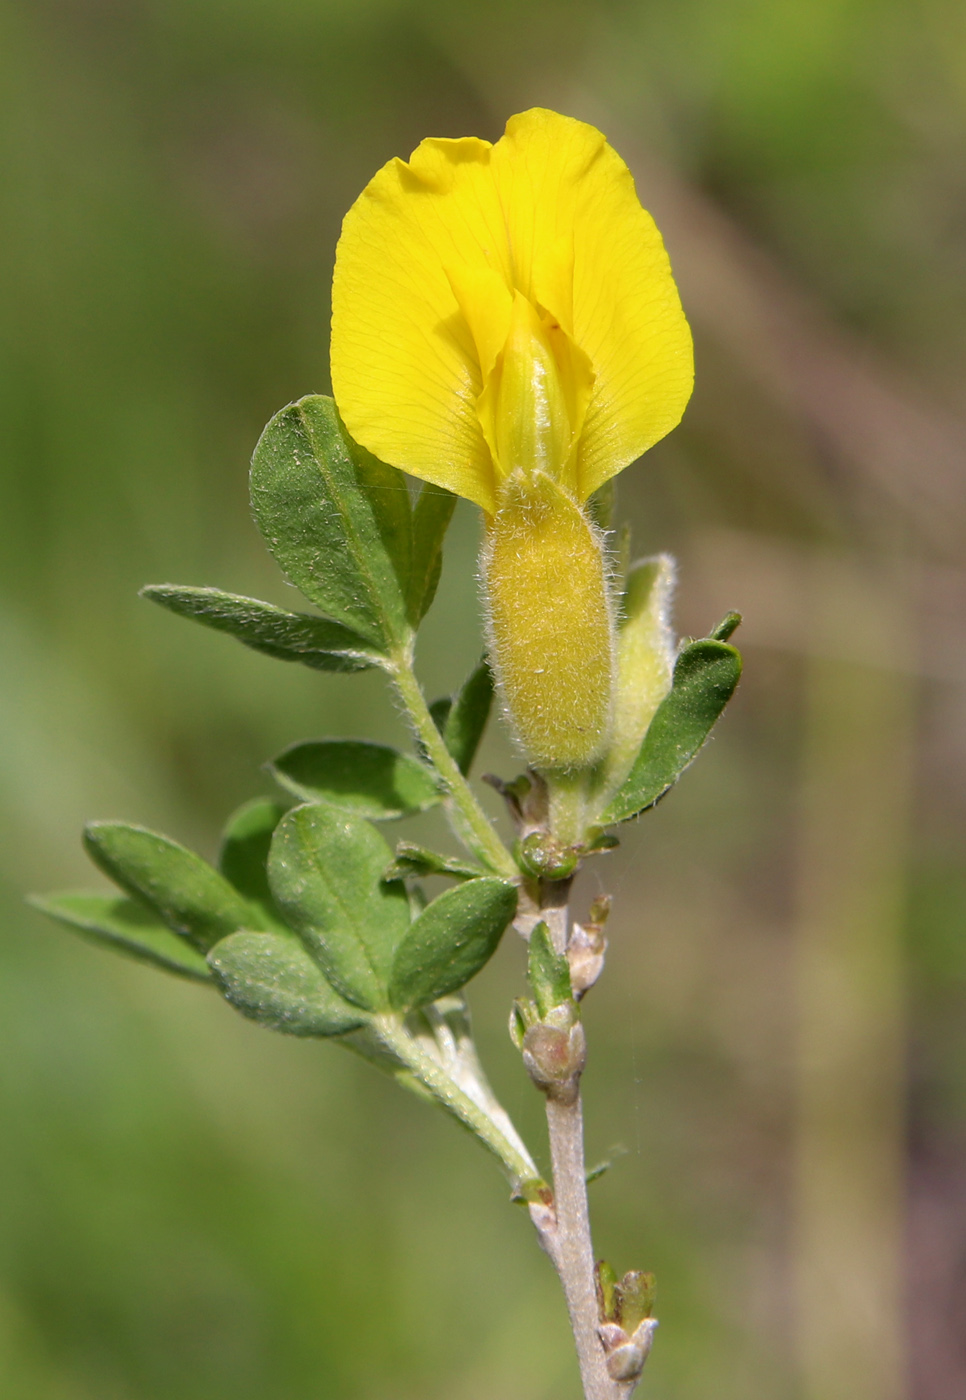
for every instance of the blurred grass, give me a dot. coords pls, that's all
(188, 1206)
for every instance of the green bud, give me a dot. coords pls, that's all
(542, 858)
(605, 1280)
(636, 1292)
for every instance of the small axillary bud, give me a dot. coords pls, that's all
(588, 947)
(626, 1327)
(555, 1055)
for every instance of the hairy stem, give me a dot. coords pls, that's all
(565, 1230)
(432, 1076)
(470, 821)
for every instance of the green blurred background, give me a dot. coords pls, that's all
(193, 1208)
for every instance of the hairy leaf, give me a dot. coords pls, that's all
(127, 926)
(243, 858)
(452, 939)
(326, 872)
(371, 780)
(315, 641)
(549, 972)
(705, 677)
(184, 890)
(337, 520)
(462, 720)
(431, 517)
(412, 860)
(272, 979)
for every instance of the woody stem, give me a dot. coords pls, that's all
(565, 1230)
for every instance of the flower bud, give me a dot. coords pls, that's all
(645, 659)
(549, 621)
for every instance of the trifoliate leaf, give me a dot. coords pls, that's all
(188, 895)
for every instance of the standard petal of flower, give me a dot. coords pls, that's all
(405, 364)
(585, 249)
(628, 318)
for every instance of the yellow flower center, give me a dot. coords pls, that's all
(535, 398)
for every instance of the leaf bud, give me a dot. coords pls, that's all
(625, 1362)
(554, 1058)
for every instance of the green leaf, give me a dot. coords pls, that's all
(451, 940)
(705, 677)
(462, 720)
(371, 780)
(608, 1305)
(549, 972)
(326, 872)
(315, 641)
(412, 860)
(636, 1294)
(245, 844)
(337, 520)
(190, 897)
(272, 979)
(728, 624)
(127, 926)
(431, 517)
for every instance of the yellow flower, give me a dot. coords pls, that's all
(505, 325)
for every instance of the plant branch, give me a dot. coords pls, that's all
(570, 1246)
(433, 1076)
(470, 822)
(564, 1228)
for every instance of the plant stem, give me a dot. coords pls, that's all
(565, 1231)
(471, 823)
(571, 1250)
(432, 1076)
(568, 806)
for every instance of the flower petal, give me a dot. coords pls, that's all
(405, 365)
(585, 249)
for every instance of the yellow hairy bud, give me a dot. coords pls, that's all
(645, 661)
(550, 624)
